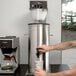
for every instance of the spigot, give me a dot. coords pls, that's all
(38, 53)
(39, 61)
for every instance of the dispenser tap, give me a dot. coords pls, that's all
(38, 53)
(39, 61)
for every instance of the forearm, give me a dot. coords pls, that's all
(63, 73)
(56, 74)
(71, 72)
(62, 46)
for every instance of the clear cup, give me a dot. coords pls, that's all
(39, 64)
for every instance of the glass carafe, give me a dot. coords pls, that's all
(9, 58)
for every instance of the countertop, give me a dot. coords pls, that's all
(21, 71)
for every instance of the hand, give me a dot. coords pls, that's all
(39, 72)
(43, 48)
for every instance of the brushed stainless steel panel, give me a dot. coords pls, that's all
(38, 35)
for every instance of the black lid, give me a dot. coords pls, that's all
(38, 23)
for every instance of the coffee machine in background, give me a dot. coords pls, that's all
(39, 33)
(9, 54)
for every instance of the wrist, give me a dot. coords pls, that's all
(51, 47)
(48, 48)
(65, 73)
(48, 74)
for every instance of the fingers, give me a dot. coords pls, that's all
(40, 72)
(41, 48)
(37, 72)
(37, 69)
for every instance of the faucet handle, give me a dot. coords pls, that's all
(38, 53)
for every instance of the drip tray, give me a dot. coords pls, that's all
(8, 71)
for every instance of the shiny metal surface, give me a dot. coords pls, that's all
(38, 35)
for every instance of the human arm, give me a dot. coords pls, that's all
(71, 72)
(59, 46)
(39, 72)
(63, 45)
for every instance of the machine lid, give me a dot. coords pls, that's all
(38, 23)
(8, 37)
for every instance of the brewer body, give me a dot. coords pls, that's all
(38, 35)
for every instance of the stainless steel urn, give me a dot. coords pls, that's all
(38, 35)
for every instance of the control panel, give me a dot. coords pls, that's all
(38, 4)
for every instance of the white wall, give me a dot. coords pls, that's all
(14, 17)
(69, 57)
(54, 18)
